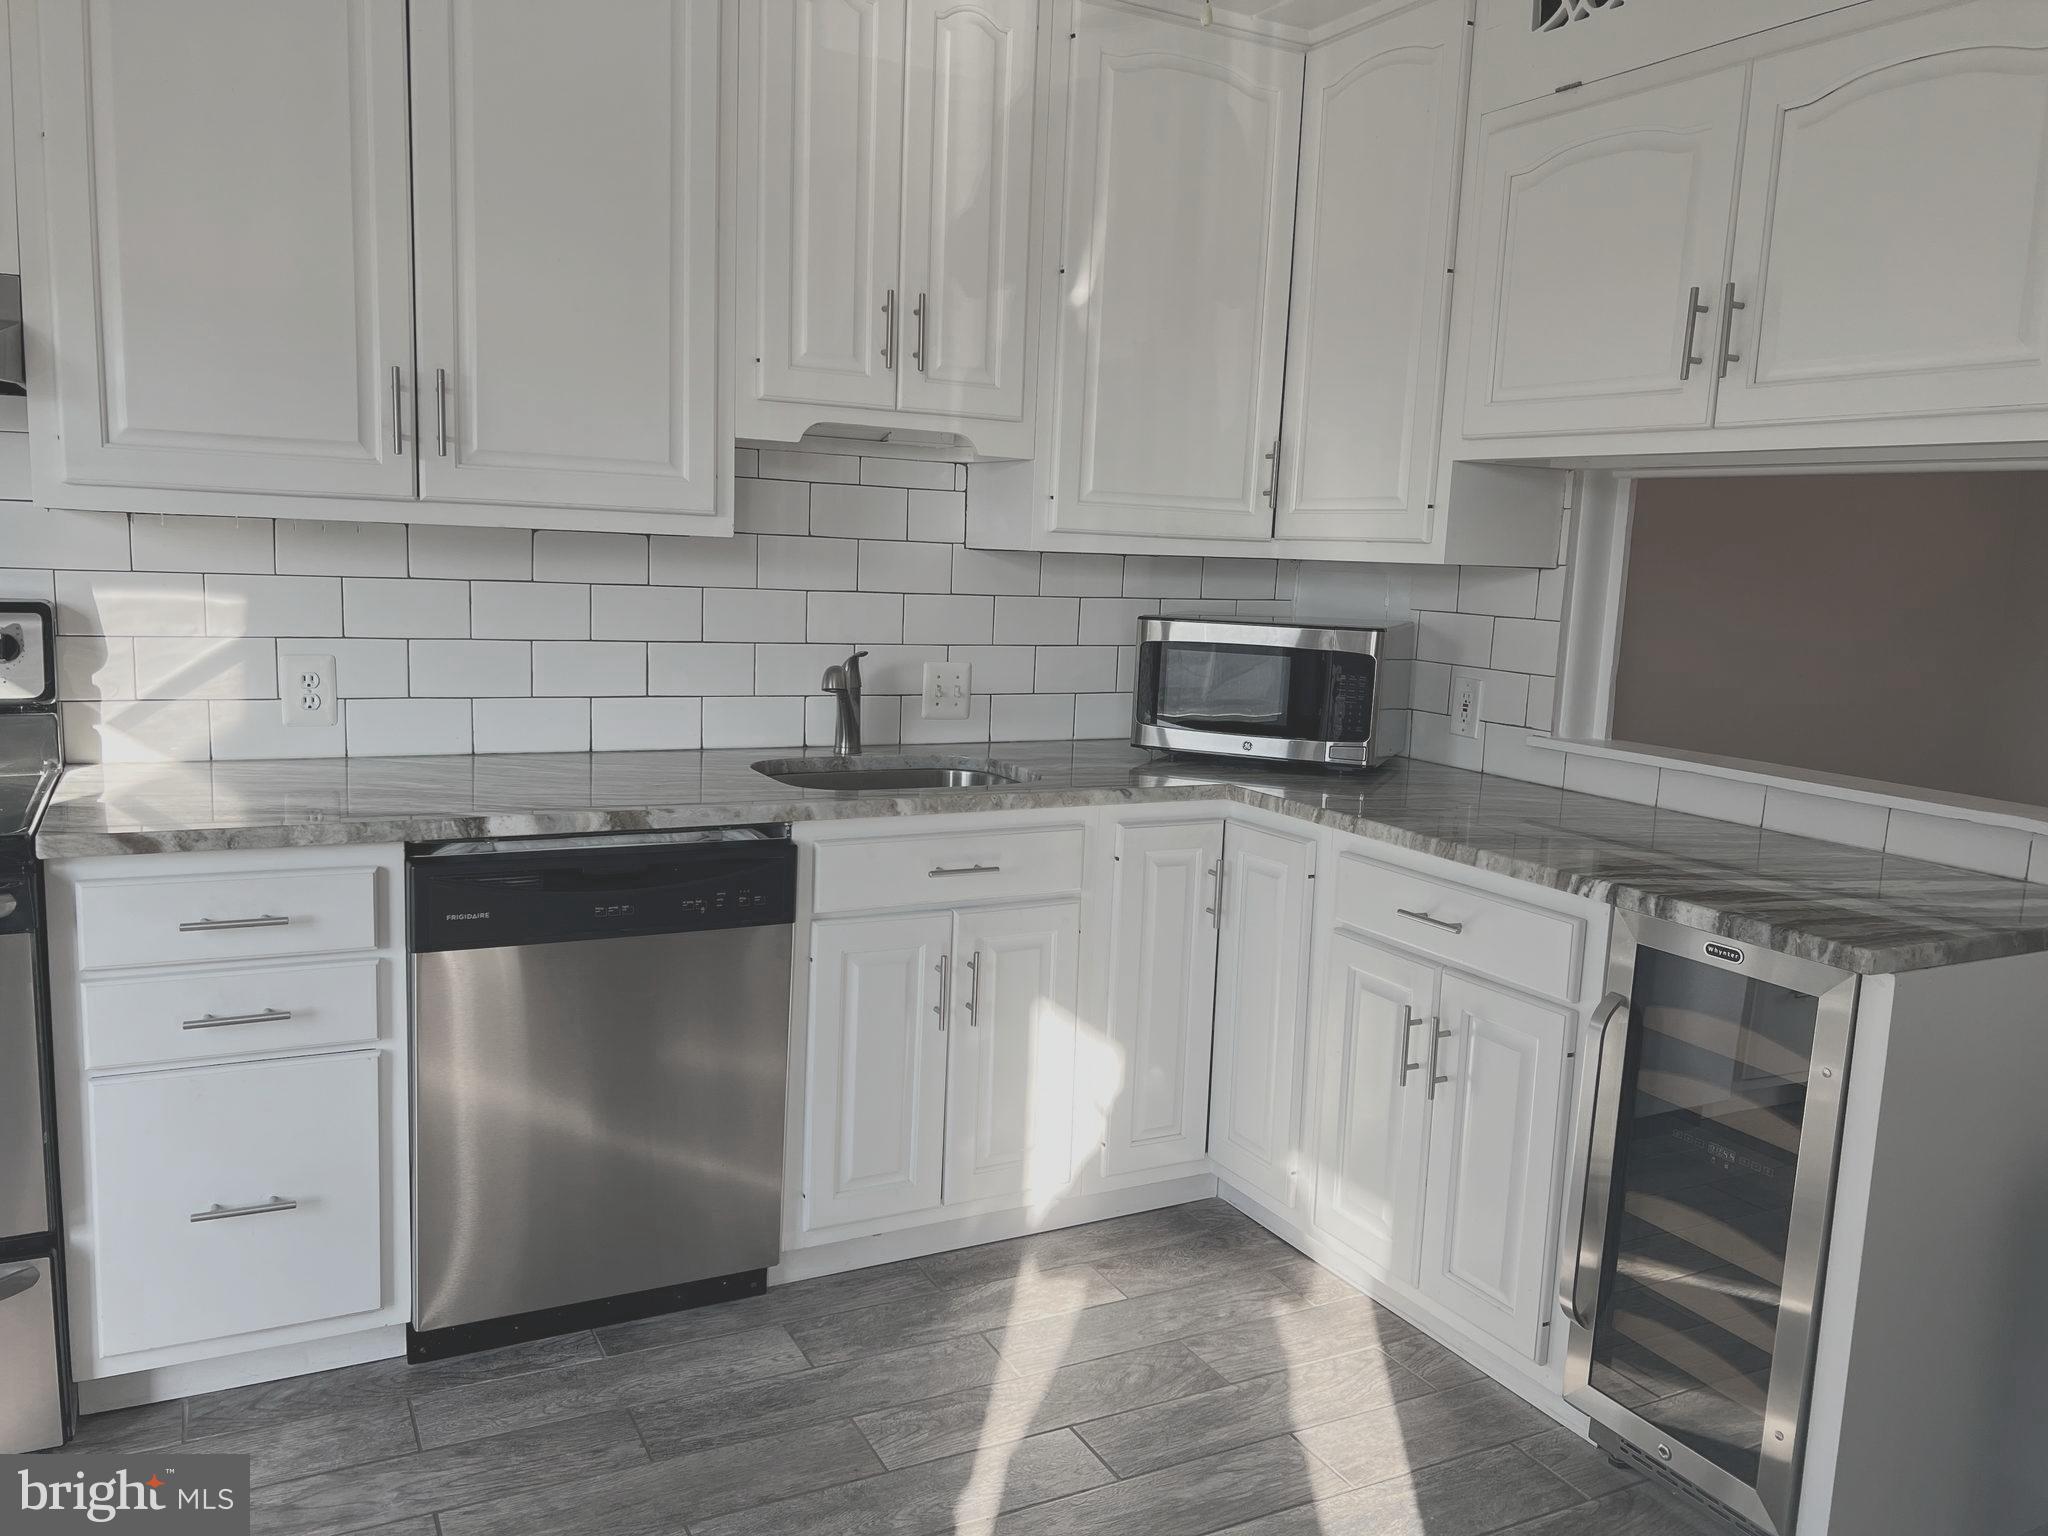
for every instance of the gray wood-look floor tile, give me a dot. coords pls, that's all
(1251, 1297)
(947, 1314)
(704, 1419)
(1189, 1499)
(428, 1481)
(1197, 1257)
(357, 1386)
(131, 1429)
(611, 1381)
(1432, 1362)
(321, 1443)
(1145, 1439)
(1415, 1432)
(1080, 1245)
(1640, 1510)
(1313, 1282)
(797, 1302)
(1018, 1406)
(1263, 1345)
(665, 1496)
(935, 1496)
(1578, 1461)
(1471, 1496)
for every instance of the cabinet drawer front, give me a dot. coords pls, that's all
(1481, 934)
(948, 868)
(187, 1015)
(291, 1144)
(255, 916)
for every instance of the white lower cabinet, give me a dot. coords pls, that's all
(1261, 1010)
(940, 1061)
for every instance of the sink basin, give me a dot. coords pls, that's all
(851, 774)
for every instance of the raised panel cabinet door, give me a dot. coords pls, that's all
(970, 85)
(1261, 1010)
(1162, 1004)
(1372, 254)
(1597, 220)
(1183, 146)
(1377, 1017)
(1892, 241)
(229, 245)
(1487, 1251)
(1011, 1055)
(876, 1113)
(566, 188)
(821, 186)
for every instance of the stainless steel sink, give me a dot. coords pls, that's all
(852, 774)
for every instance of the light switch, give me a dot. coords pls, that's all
(946, 694)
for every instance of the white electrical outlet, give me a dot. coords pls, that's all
(1466, 692)
(945, 690)
(306, 684)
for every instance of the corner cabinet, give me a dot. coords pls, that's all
(473, 286)
(887, 197)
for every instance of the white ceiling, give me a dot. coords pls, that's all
(1305, 19)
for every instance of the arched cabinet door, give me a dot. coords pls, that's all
(1597, 266)
(1892, 240)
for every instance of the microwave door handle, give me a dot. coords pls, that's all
(1593, 1160)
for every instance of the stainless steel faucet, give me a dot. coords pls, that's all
(843, 683)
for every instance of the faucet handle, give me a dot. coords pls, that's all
(834, 680)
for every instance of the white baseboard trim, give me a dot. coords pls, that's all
(989, 1227)
(273, 1364)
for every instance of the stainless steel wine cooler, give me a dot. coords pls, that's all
(1705, 1161)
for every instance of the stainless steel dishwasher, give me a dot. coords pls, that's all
(601, 1035)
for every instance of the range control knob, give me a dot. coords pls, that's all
(10, 644)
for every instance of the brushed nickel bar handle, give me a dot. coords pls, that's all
(889, 331)
(268, 1207)
(974, 989)
(1437, 1036)
(227, 924)
(398, 410)
(1215, 907)
(441, 407)
(1693, 310)
(941, 871)
(1434, 922)
(1408, 1023)
(224, 1020)
(1273, 480)
(1573, 1267)
(923, 313)
(945, 990)
(1729, 304)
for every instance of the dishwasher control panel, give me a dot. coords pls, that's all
(553, 896)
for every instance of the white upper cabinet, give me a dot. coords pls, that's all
(1154, 1089)
(1595, 277)
(1011, 1058)
(566, 193)
(1182, 150)
(886, 198)
(224, 247)
(1890, 237)
(967, 205)
(1372, 252)
(1261, 1010)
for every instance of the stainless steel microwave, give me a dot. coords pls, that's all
(1245, 689)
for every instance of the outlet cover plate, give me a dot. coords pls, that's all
(305, 685)
(1466, 693)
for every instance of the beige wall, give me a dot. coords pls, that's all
(1886, 626)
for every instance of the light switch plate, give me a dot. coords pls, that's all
(1466, 692)
(946, 694)
(306, 685)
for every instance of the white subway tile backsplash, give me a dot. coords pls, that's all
(1032, 716)
(791, 464)
(1163, 576)
(1431, 740)
(182, 543)
(894, 669)
(363, 669)
(404, 609)
(117, 603)
(529, 610)
(1429, 687)
(1241, 578)
(407, 727)
(619, 558)
(942, 620)
(588, 668)
(253, 730)
(915, 474)
(1114, 620)
(860, 511)
(1542, 704)
(1462, 639)
(854, 618)
(1617, 780)
(772, 506)
(1967, 845)
(470, 554)
(646, 613)
(1525, 645)
(806, 564)
(1433, 588)
(753, 722)
(1550, 593)
(168, 668)
(1102, 717)
(471, 669)
(1835, 821)
(918, 731)
(938, 517)
(791, 669)
(996, 668)
(272, 605)
(1038, 620)
(746, 463)
(95, 667)
(1074, 669)
(1503, 696)
(994, 572)
(531, 725)
(45, 537)
(1507, 752)
(127, 731)
(887, 566)
(24, 586)
(700, 669)
(646, 725)
(881, 720)
(688, 562)
(309, 547)
(1081, 575)
(1701, 794)
(1502, 590)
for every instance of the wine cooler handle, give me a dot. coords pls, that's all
(1593, 1154)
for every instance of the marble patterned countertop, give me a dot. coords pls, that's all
(1859, 910)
